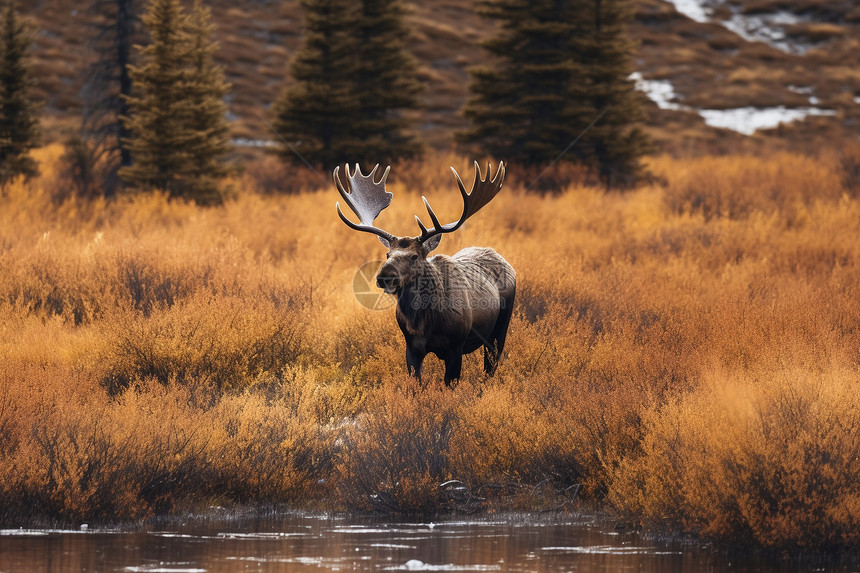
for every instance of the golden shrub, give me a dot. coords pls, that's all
(395, 454)
(769, 457)
(226, 342)
(687, 350)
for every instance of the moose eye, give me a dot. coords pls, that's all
(414, 257)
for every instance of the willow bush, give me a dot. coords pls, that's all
(685, 353)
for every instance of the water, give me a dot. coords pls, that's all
(302, 542)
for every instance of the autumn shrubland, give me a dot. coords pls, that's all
(685, 353)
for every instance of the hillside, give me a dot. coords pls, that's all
(743, 63)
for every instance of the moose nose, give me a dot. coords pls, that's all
(388, 283)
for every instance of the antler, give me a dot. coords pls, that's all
(366, 197)
(483, 191)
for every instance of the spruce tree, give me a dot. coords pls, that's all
(616, 142)
(107, 87)
(18, 112)
(561, 66)
(176, 120)
(351, 86)
(316, 115)
(159, 107)
(523, 109)
(208, 119)
(386, 85)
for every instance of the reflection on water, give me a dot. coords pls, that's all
(304, 542)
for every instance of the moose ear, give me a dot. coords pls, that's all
(432, 243)
(385, 242)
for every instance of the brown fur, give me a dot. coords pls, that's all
(449, 305)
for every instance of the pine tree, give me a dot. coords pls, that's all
(352, 85)
(177, 123)
(107, 87)
(316, 115)
(18, 112)
(208, 120)
(560, 68)
(386, 85)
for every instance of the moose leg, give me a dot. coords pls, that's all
(414, 361)
(491, 357)
(453, 365)
(493, 350)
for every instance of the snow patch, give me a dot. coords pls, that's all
(246, 142)
(746, 120)
(661, 92)
(692, 9)
(768, 27)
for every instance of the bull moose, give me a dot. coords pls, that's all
(447, 305)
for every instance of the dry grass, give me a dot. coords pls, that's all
(687, 351)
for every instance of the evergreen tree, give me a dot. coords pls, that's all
(616, 142)
(208, 120)
(351, 84)
(386, 85)
(176, 117)
(524, 109)
(562, 64)
(159, 107)
(18, 112)
(316, 114)
(107, 87)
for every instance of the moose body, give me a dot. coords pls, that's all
(454, 306)
(446, 305)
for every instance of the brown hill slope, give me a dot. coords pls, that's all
(704, 65)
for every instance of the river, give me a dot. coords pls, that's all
(313, 542)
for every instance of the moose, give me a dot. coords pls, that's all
(446, 305)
